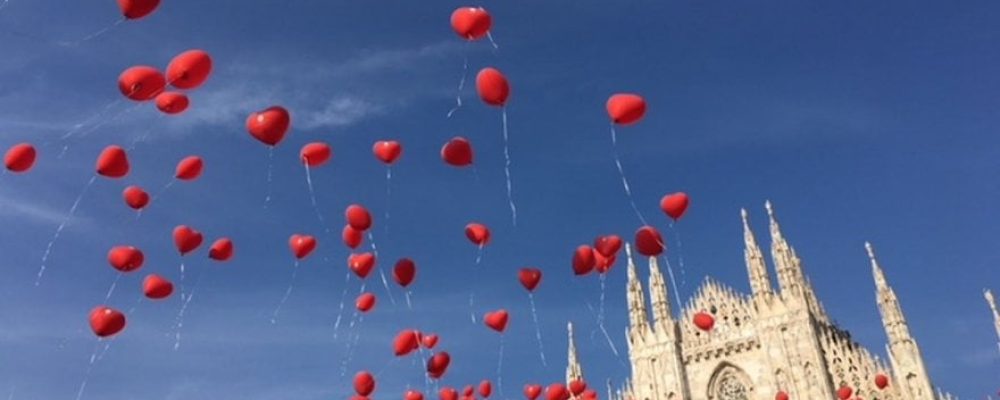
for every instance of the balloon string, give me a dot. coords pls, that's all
(388, 198)
(288, 292)
(409, 304)
(680, 255)
(92, 36)
(352, 336)
(180, 315)
(472, 310)
(385, 283)
(112, 288)
(621, 171)
(340, 312)
(270, 174)
(461, 82)
(312, 197)
(604, 330)
(62, 225)
(538, 329)
(600, 307)
(492, 42)
(673, 282)
(97, 125)
(94, 357)
(506, 170)
(163, 190)
(500, 367)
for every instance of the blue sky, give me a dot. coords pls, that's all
(860, 120)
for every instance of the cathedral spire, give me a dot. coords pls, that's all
(791, 279)
(760, 282)
(638, 317)
(892, 314)
(993, 307)
(662, 310)
(573, 369)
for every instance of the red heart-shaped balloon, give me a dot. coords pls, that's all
(649, 242)
(429, 341)
(844, 393)
(608, 245)
(781, 396)
(457, 152)
(626, 108)
(577, 386)
(468, 391)
(437, 365)
(112, 162)
(135, 9)
(530, 278)
(703, 321)
(413, 395)
(583, 260)
(315, 154)
(387, 151)
(674, 205)
(221, 250)
(589, 394)
(189, 168)
(496, 320)
(477, 233)
(485, 389)
(358, 217)
(157, 287)
(20, 157)
(141, 83)
(186, 239)
(361, 264)
(471, 23)
(365, 302)
(172, 103)
(557, 391)
(404, 272)
(448, 393)
(492, 86)
(352, 237)
(270, 125)
(106, 321)
(603, 264)
(135, 197)
(532, 391)
(189, 69)
(406, 341)
(881, 381)
(364, 383)
(301, 245)
(125, 258)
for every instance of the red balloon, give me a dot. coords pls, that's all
(881, 381)
(113, 162)
(438, 365)
(135, 9)
(413, 395)
(364, 383)
(608, 245)
(365, 302)
(406, 342)
(577, 386)
(157, 287)
(844, 393)
(557, 391)
(429, 341)
(532, 391)
(485, 389)
(315, 154)
(358, 217)
(141, 83)
(530, 278)
(106, 321)
(471, 23)
(387, 151)
(172, 103)
(189, 69)
(477, 233)
(626, 108)
(20, 157)
(704, 321)
(469, 391)
(186, 239)
(352, 237)
(189, 168)
(270, 125)
(496, 320)
(492, 87)
(135, 197)
(583, 260)
(356, 397)
(649, 242)
(125, 258)
(603, 264)
(361, 264)
(781, 396)
(589, 394)
(457, 152)
(674, 205)
(448, 393)
(301, 245)
(221, 250)
(404, 272)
